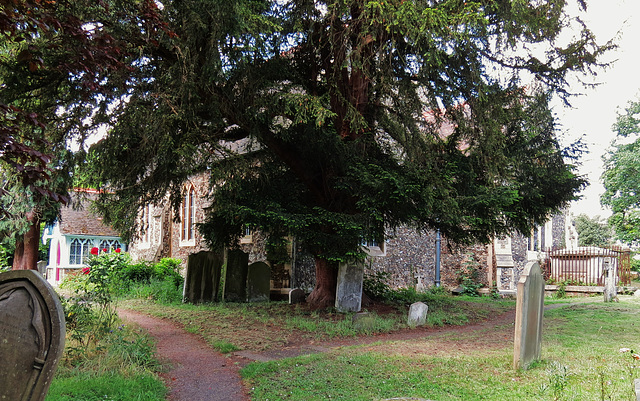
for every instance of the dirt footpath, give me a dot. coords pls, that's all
(197, 373)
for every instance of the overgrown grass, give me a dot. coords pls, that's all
(121, 365)
(581, 360)
(262, 326)
(105, 360)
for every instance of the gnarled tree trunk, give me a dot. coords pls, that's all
(324, 294)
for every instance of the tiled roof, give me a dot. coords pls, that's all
(80, 220)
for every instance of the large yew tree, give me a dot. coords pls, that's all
(337, 121)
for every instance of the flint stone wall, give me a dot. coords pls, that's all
(411, 253)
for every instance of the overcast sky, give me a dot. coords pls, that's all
(594, 113)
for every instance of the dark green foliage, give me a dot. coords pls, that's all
(323, 120)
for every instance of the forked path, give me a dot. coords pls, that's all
(197, 373)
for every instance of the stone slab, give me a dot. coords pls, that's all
(202, 281)
(32, 335)
(529, 312)
(349, 287)
(258, 282)
(235, 284)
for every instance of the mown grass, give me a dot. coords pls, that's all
(581, 360)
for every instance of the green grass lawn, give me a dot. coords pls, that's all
(581, 360)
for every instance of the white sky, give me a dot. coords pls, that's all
(594, 113)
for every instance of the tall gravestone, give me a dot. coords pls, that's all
(610, 278)
(529, 311)
(202, 281)
(349, 288)
(32, 334)
(235, 283)
(258, 282)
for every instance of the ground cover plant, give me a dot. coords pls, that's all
(587, 354)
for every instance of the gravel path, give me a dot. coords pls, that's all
(197, 373)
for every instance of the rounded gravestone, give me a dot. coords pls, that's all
(31, 335)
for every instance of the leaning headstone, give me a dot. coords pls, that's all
(32, 334)
(349, 288)
(417, 314)
(235, 283)
(258, 282)
(610, 287)
(529, 311)
(296, 296)
(202, 281)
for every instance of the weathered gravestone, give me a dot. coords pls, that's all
(529, 311)
(417, 314)
(610, 277)
(235, 283)
(202, 281)
(349, 288)
(32, 334)
(364, 321)
(296, 296)
(258, 282)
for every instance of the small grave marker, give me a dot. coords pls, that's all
(529, 311)
(32, 334)
(417, 314)
(296, 296)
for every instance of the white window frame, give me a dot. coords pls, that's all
(85, 245)
(375, 248)
(110, 245)
(187, 217)
(145, 227)
(248, 235)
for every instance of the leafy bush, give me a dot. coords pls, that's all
(469, 277)
(375, 285)
(168, 269)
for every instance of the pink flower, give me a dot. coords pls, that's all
(94, 251)
(118, 250)
(86, 270)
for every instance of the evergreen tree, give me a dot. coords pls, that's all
(337, 121)
(621, 177)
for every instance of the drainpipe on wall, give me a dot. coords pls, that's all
(438, 240)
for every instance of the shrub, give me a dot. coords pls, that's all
(469, 277)
(375, 285)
